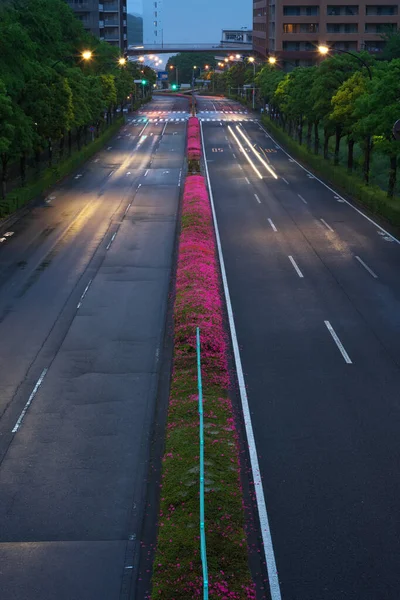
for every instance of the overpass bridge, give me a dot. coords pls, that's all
(174, 48)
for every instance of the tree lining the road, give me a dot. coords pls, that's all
(338, 99)
(49, 96)
(185, 61)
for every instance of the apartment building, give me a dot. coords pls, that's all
(106, 20)
(292, 29)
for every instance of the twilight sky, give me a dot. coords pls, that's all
(207, 18)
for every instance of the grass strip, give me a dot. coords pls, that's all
(374, 198)
(21, 196)
(177, 566)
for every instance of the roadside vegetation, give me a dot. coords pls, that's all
(53, 100)
(177, 571)
(338, 119)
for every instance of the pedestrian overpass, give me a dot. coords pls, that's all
(234, 48)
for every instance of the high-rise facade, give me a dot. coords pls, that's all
(153, 27)
(291, 30)
(106, 20)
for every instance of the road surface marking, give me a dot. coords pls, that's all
(258, 485)
(79, 175)
(262, 161)
(127, 208)
(326, 225)
(31, 397)
(272, 225)
(96, 160)
(3, 239)
(128, 173)
(285, 180)
(302, 199)
(338, 342)
(8, 234)
(245, 153)
(109, 148)
(374, 275)
(296, 268)
(111, 241)
(234, 155)
(84, 294)
(246, 178)
(257, 198)
(341, 198)
(146, 173)
(226, 137)
(165, 127)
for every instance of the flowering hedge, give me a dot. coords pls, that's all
(177, 566)
(193, 139)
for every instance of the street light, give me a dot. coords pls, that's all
(172, 67)
(122, 61)
(86, 55)
(272, 60)
(325, 50)
(252, 61)
(212, 69)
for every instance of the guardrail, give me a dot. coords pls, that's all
(203, 547)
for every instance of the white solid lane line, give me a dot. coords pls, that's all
(338, 343)
(31, 397)
(257, 198)
(341, 199)
(272, 225)
(296, 268)
(302, 199)
(84, 294)
(111, 241)
(269, 554)
(370, 271)
(326, 225)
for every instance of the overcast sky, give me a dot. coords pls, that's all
(212, 17)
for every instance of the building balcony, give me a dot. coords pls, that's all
(111, 23)
(111, 7)
(100, 7)
(101, 24)
(111, 36)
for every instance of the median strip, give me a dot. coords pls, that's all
(177, 570)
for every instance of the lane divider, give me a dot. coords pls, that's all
(370, 271)
(30, 399)
(272, 225)
(338, 343)
(295, 266)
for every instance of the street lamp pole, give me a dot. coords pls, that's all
(325, 50)
(252, 60)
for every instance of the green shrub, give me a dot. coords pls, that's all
(22, 196)
(375, 199)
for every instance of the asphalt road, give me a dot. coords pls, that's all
(316, 301)
(84, 281)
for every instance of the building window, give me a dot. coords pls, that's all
(300, 11)
(380, 27)
(340, 10)
(389, 9)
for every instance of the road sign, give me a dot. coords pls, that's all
(137, 81)
(162, 75)
(396, 130)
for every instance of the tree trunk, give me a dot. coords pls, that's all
(309, 132)
(316, 138)
(61, 147)
(367, 159)
(78, 137)
(392, 176)
(4, 165)
(350, 154)
(338, 134)
(326, 142)
(69, 142)
(37, 161)
(22, 167)
(300, 131)
(50, 149)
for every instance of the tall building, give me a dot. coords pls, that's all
(292, 29)
(153, 28)
(106, 20)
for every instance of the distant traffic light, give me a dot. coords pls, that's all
(144, 81)
(174, 86)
